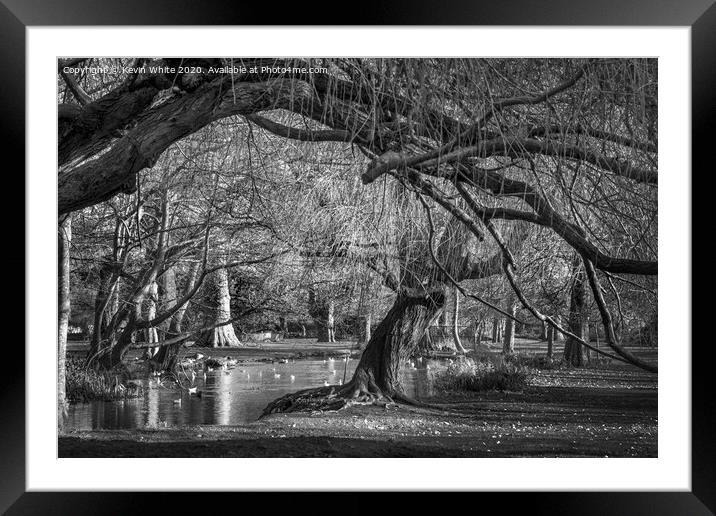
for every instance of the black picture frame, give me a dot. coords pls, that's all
(17, 15)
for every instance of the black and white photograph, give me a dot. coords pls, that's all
(337, 257)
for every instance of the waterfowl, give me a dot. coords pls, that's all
(192, 390)
(293, 378)
(325, 383)
(277, 375)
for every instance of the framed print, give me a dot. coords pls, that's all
(415, 253)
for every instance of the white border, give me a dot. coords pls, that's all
(671, 470)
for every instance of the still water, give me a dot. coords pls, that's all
(228, 397)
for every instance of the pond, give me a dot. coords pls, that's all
(229, 397)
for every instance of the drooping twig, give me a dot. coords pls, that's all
(447, 274)
(523, 299)
(607, 320)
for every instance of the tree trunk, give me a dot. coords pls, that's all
(508, 343)
(456, 320)
(479, 329)
(395, 339)
(550, 340)
(64, 237)
(556, 334)
(283, 326)
(166, 358)
(495, 330)
(220, 301)
(150, 334)
(326, 322)
(102, 298)
(363, 329)
(573, 350)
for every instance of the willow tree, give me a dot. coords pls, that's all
(566, 144)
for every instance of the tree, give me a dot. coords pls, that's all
(219, 317)
(64, 238)
(574, 352)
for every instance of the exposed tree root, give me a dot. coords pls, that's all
(332, 397)
(337, 397)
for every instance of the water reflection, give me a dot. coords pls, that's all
(229, 397)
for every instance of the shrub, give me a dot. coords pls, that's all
(469, 375)
(83, 384)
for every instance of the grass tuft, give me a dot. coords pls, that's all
(83, 384)
(482, 375)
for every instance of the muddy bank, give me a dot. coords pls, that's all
(550, 421)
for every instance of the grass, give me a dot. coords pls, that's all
(483, 375)
(83, 384)
(533, 361)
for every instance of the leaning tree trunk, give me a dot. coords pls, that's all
(377, 374)
(64, 237)
(573, 349)
(223, 334)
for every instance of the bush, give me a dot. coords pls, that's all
(83, 384)
(469, 375)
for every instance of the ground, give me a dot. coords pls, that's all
(595, 412)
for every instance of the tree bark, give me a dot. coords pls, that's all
(573, 349)
(550, 340)
(220, 312)
(64, 238)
